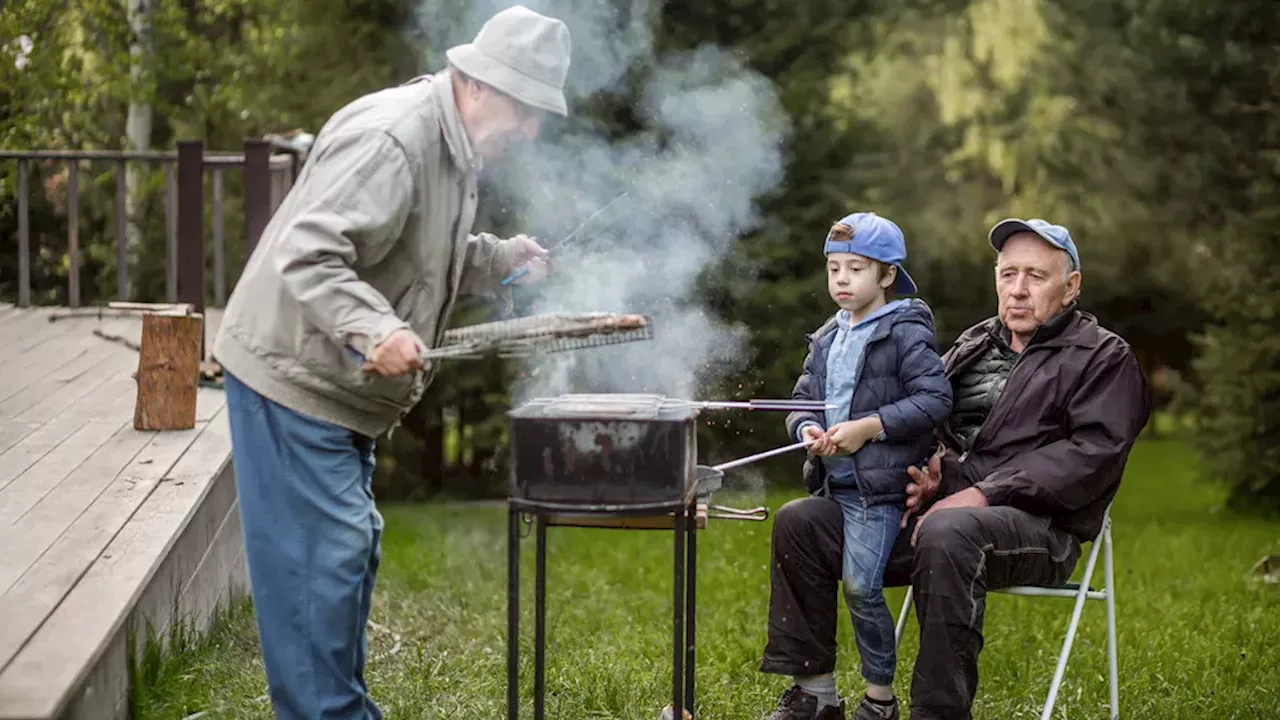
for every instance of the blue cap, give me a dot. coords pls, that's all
(1055, 235)
(876, 238)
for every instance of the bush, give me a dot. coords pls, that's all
(1238, 399)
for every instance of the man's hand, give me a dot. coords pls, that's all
(528, 252)
(822, 444)
(395, 356)
(850, 435)
(924, 485)
(968, 497)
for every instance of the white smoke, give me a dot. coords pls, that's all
(710, 145)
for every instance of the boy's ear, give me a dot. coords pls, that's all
(888, 277)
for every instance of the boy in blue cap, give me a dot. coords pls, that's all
(876, 361)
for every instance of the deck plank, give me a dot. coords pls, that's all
(42, 587)
(13, 432)
(25, 318)
(9, 312)
(29, 332)
(97, 519)
(40, 679)
(49, 360)
(46, 409)
(53, 391)
(46, 477)
(110, 399)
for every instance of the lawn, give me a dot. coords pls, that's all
(1198, 638)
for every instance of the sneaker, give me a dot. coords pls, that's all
(868, 710)
(796, 704)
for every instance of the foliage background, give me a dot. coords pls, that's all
(1149, 127)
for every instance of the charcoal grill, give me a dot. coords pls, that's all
(603, 454)
(624, 461)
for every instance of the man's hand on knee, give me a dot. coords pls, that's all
(969, 497)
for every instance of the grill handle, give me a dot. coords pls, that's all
(759, 514)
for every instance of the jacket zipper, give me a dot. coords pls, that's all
(981, 428)
(866, 350)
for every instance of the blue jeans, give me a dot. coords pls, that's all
(311, 536)
(869, 534)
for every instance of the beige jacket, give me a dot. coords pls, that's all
(373, 237)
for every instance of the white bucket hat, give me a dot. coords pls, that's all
(523, 54)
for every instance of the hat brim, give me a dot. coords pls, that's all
(1005, 229)
(903, 284)
(525, 89)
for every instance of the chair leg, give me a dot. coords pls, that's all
(1113, 664)
(902, 619)
(1081, 596)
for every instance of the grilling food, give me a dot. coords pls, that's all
(548, 332)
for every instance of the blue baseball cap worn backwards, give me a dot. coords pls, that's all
(876, 238)
(1055, 235)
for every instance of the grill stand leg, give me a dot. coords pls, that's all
(540, 623)
(691, 523)
(677, 612)
(513, 614)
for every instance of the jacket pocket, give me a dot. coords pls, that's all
(335, 365)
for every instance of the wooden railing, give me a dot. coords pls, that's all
(267, 179)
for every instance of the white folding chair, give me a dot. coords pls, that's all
(1081, 591)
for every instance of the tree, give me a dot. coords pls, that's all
(1192, 88)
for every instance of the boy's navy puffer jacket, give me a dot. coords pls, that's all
(902, 381)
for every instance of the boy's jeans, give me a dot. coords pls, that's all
(869, 534)
(311, 535)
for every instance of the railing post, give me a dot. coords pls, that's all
(170, 233)
(219, 242)
(24, 238)
(73, 233)
(122, 230)
(257, 191)
(191, 223)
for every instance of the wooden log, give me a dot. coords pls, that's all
(168, 371)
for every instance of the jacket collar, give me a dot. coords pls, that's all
(883, 326)
(455, 135)
(1071, 327)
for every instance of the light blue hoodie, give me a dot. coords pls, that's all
(844, 364)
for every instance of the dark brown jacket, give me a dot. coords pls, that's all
(1056, 442)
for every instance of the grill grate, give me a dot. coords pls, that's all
(635, 404)
(545, 333)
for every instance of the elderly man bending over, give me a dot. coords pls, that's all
(1047, 406)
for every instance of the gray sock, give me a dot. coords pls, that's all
(822, 687)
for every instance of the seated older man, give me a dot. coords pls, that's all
(1047, 406)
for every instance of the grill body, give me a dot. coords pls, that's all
(603, 454)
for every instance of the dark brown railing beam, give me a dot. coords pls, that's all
(122, 230)
(24, 238)
(191, 223)
(170, 233)
(73, 233)
(257, 191)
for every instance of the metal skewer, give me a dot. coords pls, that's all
(764, 405)
(761, 456)
(570, 238)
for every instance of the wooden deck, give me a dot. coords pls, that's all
(107, 535)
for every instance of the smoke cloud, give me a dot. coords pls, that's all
(710, 146)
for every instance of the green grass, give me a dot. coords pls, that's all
(1197, 638)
